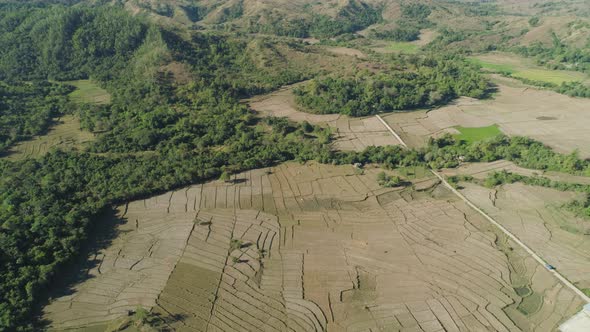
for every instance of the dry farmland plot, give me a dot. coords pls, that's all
(315, 248)
(559, 121)
(66, 134)
(350, 133)
(534, 215)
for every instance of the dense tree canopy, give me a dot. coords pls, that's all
(154, 136)
(67, 42)
(355, 15)
(425, 81)
(26, 109)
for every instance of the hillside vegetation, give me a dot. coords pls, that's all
(27, 109)
(175, 72)
(195, 132)
(415, 82)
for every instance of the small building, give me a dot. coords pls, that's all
(579, 322)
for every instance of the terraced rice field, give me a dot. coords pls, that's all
(314, 248)
(350, 133)
(65, 134)
(554, 119)
(534, 215)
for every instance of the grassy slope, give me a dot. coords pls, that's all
(523, 68)
(405, 47)
(89, 92)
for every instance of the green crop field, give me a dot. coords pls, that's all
(550, 76)
(520, 68)
(89, 92)
(496, 67)
(405, 47)
(475, 134)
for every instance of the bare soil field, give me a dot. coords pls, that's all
(534, 215)
(314, 248)
(65, 134)
(554, 119)
(350, 133)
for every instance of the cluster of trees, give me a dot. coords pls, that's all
(27, 109)
(446, 152)
(416, 11)
(481, 9)
(414, 17)
(402, 33)
(220, 62)
(389, 181)
(270, 22)
(422, 81)
(574, 89)
(355, 15)
(558, 55)
(525, 152)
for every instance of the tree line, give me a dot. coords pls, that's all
(353, 16)
(416, 81)
(27, 109)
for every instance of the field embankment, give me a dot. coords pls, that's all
(554, 119)
(350, 134)
(312, 248)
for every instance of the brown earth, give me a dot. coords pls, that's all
(313, 248)
(517, 109)
(534, 214)
(350, 133)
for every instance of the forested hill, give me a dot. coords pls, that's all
(71, 43)
(165, 132)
